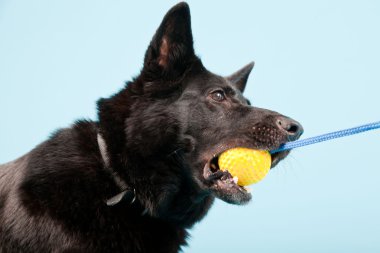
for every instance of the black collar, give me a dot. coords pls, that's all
(126, 193)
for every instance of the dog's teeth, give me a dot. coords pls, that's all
(235, 179)
(247, 189)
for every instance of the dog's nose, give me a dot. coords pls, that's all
(292, 128)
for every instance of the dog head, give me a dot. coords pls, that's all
(166, 127)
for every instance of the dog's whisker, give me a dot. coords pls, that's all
(175, 152)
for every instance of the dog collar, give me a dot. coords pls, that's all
(126, 194)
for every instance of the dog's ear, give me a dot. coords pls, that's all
(171, 48)
(240, 77)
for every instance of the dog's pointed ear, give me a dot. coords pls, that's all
(240, 77)
(171, 48)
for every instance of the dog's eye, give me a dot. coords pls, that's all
(218, 96)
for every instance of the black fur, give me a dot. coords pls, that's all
(161, 132)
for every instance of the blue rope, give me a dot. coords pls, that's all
(325, 137)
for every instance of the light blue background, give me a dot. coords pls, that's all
(316, 61)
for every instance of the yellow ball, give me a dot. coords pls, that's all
(249, 165)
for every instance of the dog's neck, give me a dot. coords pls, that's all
(196, 203)
(126, 193)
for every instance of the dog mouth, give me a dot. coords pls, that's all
(224, 186)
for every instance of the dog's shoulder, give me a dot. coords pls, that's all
(63, 168)
(61, 187)
(34, 187)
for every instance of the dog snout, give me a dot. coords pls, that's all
(292, 128)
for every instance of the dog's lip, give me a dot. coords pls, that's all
(210, 176)
(222, 179)
(277, 157)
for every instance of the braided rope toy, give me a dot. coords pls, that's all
(251, 166)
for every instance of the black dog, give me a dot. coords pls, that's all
(137, 179)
